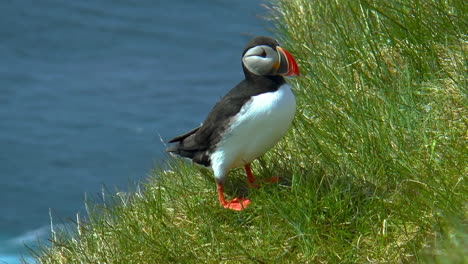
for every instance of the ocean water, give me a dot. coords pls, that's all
(89, 88)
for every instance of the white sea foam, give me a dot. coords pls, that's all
(9, 259)
(13, 245)
(30, 236)
(12, 259)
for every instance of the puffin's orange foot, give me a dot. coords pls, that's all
(275, 179)
(237, 204)
(267, 181)
(254, 185)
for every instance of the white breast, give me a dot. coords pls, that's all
(259, 125)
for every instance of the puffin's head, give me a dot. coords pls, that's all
(264, 56)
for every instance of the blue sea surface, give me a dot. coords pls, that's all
(89, 88)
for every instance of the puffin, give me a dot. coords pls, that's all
(248, 121)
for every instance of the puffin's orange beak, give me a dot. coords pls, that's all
(287, 64)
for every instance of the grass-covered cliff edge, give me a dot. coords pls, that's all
(373, 169)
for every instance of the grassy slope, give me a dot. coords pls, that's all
(373, 171)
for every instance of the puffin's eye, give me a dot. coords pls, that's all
(264, 54)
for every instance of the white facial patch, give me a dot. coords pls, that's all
(260, 59)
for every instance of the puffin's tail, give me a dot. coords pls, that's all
(185, 146)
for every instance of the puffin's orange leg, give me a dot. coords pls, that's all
(251, 177)
(237, 204)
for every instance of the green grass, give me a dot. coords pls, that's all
(373, 170)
